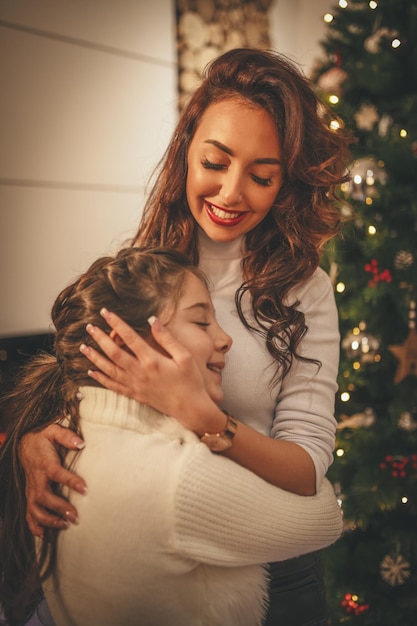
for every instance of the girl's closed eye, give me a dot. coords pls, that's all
(202, 324)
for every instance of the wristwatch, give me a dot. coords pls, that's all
(220, 442)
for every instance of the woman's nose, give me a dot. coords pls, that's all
(231, 191)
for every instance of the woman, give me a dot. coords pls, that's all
(176, 549)
(247, 190)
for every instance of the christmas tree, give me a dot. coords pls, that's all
(368, 75)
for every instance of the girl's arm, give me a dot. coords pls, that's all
(142, 372)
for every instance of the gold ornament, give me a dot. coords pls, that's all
(407, 356)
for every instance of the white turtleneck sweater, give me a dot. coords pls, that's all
(300, 408)
(170, 533)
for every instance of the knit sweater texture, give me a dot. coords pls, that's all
(171, 533)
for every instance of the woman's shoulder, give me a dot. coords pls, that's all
(317, 287)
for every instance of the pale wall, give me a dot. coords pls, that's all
(87, 107)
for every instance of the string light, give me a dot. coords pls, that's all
(356, 365)
(403, 133)
(334, 125)
(345, 396)
(373, 4)
(404, 500)
(368, 200)
(333, 99)
(371, 230)
(340, 452)
(328, 18)
(396, 43)
(340, 287)
(343, 4)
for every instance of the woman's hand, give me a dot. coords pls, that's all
(42, 465)
(168, 380)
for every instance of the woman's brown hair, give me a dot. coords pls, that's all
(284, 248)
(135, 284)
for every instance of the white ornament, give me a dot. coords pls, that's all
(366, 117)
(395, 570)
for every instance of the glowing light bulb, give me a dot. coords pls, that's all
(403, 133)
(357, 179)
(345, 396)
(395, 43)
(371, 230)
(368, 200)
(340, 287)
(343, 4)
(333, 99)
(356, 365)
(404, 500)
(328, 18)
(356, 330)
(340, 452)
(334, 125)
(373, 4)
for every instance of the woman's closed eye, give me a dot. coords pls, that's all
(265, 182)
(209, 165)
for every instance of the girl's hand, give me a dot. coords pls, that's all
(42, 465)
(168, 380)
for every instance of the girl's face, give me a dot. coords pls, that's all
(234, 169)
(194, 325)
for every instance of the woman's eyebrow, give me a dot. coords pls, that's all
(229, 151)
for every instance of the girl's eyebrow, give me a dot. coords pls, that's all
(199, 305)
(229, 151)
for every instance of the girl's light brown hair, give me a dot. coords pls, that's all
(135, 284)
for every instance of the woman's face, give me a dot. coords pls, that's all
(234, 169)
(194, 325)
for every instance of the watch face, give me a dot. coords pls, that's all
(217, 443)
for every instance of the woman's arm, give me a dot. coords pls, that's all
(143, 372)
(244, 520)
(38, 453)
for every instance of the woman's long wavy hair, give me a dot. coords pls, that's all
(135, 284)
(284, 248)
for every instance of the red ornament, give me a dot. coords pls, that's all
(399, 466)
(377, 276)
(351, 605)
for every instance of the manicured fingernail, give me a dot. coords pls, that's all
(90, 329)
(79, 444)
(91, 373)
(61, 523)
(82, 489)
(84, 349)
(105, 313)
(71, 517)
(154, 322)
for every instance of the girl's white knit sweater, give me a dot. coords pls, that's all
(171, 534)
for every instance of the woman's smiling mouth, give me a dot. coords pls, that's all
(223, 217)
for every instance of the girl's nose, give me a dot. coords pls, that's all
(224, 342)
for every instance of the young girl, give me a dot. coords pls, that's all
(248, 191)
(182, 540)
